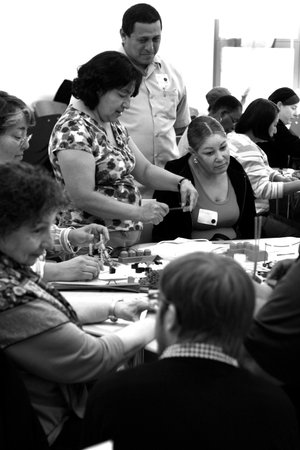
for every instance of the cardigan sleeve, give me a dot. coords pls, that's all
(67, 354)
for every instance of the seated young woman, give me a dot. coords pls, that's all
(39, 329)
(225, 207)
(259, 123)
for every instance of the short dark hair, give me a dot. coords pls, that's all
(142, 13)
(257, 117)
(27, 193)
(10, 106)
(228, 102)
(201, 128)
(104, 72)
(214, 299)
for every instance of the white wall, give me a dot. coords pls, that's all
(43, 42)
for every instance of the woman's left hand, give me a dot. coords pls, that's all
(132, 309)
(189, 195)
(88, 234)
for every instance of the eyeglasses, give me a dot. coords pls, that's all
(234, 120)
(24, 140)
(156, 297)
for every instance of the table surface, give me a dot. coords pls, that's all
(168, 250)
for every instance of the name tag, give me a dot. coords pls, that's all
(207, 217)
(163, 80)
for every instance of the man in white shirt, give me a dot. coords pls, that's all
(160, 111)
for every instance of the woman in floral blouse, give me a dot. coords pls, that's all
(96, 160)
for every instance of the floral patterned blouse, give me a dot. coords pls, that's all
(77, 131)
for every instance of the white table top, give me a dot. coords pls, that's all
(284, 248)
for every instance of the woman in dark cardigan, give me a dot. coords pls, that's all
(225, 208)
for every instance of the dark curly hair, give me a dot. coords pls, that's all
(104, 72)
(27, 193)
(10, 106)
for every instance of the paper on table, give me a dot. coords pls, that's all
(106, 280)
(172, 249)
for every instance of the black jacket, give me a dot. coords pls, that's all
(284, 144)
(179, 223)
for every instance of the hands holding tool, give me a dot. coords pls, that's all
(92, 233)
(82, 267)
(188, 194)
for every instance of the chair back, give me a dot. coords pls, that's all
(19, 425)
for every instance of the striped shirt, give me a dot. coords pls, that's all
(256, 165)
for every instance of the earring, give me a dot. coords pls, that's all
(195, 160)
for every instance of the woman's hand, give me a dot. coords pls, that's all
(153, 212)
(189, 195)
(83, 236)
(80, 268)
(132, 309)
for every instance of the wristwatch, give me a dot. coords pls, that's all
(179, 182)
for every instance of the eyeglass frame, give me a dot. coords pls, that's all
(24, 140)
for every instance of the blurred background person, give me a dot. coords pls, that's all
(284, 145)
(225, 109)
(274, 337)
(259, 123)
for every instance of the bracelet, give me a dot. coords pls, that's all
(66, 244)
(179, 183)
(112, 313)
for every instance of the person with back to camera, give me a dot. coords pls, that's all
(225, 109)
(284, 144)
(196, 395)
(39, 329)
(160, 111)
(15, 119)
(96, 160)
(273, 340)
(225, 208)
(258, 123)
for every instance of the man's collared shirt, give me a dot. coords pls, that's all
(199, 350)
(160, 106)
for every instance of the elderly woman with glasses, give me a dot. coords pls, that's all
(39, 329)
(15, 119)
(225, 206)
